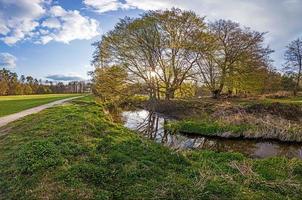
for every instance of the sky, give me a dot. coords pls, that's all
(51, 39)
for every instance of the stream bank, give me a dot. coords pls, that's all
(155, 127)
(234, 118)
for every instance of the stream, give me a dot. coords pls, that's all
(151, 125)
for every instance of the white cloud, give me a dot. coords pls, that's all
(7, 60)
(52, 23)
(43, 22)
(155, 4)
(18, 18)
(68, 26)
(102, 6)
(57, 11)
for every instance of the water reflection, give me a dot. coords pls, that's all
(151, 125)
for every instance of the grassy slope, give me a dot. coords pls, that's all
(74, 152)
(14, 104)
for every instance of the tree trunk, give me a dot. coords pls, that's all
(216, 94)
(298, 79)
(295, 91)
(297, 85)
(169, 94)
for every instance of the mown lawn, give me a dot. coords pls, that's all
(14, 104)
(74, 152)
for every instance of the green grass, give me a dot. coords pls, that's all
(14, 104)
(74, 152)
(208, 127)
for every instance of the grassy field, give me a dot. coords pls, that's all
(14, 104)
(74, 151)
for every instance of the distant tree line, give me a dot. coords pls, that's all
(10, 84)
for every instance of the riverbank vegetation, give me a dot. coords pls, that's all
(216, 77)
(74, 151)
(243, 118)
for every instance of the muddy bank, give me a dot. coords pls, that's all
(192, 108)
(286, 111)
(181, 109)
(277, 121)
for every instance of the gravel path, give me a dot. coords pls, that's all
(13, 117)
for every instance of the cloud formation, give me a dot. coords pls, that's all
(7, 60)
(42, 22)
(281, 18)
(62, 77)
(105, 5)
(65, 26)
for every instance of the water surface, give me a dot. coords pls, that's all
(151, 125)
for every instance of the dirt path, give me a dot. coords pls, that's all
(13, 117)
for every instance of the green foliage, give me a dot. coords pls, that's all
(75, 152)
(288, 82)
(133, 42)
(186, 90)
(11, 85)
(293, 65)
(110, 84)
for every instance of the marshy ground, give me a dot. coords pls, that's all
(278, 119)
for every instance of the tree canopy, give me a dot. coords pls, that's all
(293, 65)
(165, 50)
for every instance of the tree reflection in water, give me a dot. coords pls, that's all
(152, 124)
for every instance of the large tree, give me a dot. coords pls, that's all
(236, 53)
(157, 49)
(293, 57)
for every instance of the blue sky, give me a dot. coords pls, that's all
(52, 38)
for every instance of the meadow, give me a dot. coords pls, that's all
(17, 103)
(74, 151)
